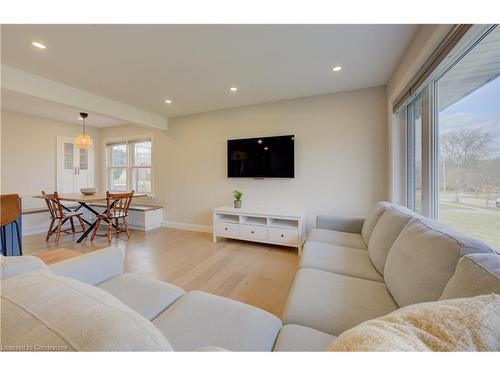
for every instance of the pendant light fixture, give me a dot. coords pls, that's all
(83, 141)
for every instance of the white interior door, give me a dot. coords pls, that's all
(84, 172)
(75, 167)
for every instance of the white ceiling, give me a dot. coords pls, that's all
(19, 102)
(195, 65)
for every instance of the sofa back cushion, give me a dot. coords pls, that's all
(385, 233)
(16, 265)
(44, 312)
(463, 324)
(476, 274)
(423, 259)
(372, 219)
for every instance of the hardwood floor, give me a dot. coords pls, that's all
(257, 274)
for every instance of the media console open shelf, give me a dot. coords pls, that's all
(269, 225)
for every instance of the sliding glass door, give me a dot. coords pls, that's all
(453, 140)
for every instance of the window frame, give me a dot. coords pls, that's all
(129, 167)
(430, 124)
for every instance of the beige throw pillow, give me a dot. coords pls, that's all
(466, 324)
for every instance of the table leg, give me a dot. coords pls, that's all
(91, 225)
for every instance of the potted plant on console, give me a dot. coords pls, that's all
(237, 198)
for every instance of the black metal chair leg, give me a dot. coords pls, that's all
(19, 240)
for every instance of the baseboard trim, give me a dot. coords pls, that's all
(187, 226)
(35, 230)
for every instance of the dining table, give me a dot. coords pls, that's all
(85, 202)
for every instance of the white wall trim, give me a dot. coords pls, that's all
(188, 226)
(30, 84)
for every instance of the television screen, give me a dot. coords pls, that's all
(261, 157)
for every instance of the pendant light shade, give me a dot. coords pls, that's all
(83, 141)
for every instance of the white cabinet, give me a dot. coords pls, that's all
(275, 226)
(75, 167)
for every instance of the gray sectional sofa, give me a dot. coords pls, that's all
(351, 270)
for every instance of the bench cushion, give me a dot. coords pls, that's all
(385, 233)
(476, 274)
(339, 259)
(333, 303)
(295, 338)
(372, 219)
(334, 237)
(200, 319)
(423, 259)
(46, 312)
(144, 294)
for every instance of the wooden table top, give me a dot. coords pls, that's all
(76, 197)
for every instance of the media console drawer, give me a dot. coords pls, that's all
(253, 232)
(227, 229)
(290, 236)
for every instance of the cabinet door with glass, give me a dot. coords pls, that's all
(75, 167)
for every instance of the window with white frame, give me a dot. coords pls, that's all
(129, 166)
(453, 139)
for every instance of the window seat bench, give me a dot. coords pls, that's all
(141, 217)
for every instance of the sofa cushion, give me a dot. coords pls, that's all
(339, 259)
(476, 274)
(144, 294)
(43, 311)
(333, 303)
(466, 324)
(334, 237)
(93, 267)
(200, 319)
(295, 338)
(423, 259)
(16, 265)
(372, 219)
(385, 233)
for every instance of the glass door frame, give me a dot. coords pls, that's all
(430, 126)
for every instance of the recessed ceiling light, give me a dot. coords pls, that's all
(168, 101)
(39, 45)
(233, 89)
(337, 68)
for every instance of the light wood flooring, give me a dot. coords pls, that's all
(257, 274)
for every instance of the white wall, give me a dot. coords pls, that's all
(28, 154)
(424, 43)
(341, 156)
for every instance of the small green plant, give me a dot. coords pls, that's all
(237, 195)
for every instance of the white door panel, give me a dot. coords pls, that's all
(75, 167)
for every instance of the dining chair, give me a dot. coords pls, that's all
(117, 205)
(10, 209)
(57, 214)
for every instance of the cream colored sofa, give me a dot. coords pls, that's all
(189, 321)
(351, 270)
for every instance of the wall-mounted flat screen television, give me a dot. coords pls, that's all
(271, 157)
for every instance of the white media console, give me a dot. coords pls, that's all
(269, 225)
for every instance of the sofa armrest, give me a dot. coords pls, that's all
(340, 223)
(94, 267)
